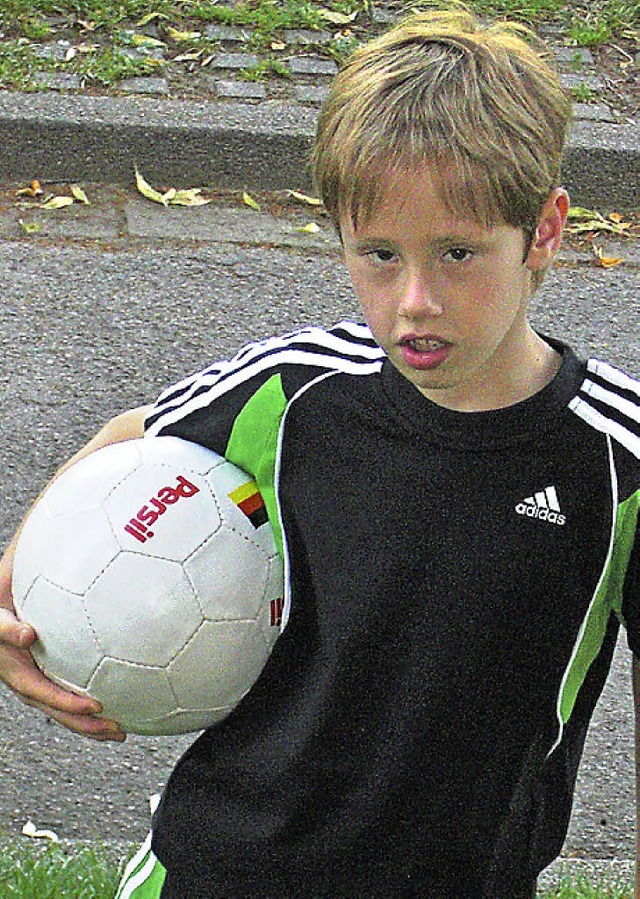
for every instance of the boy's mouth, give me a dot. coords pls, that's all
(424, 352)
(424, 344)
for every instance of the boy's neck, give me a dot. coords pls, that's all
(536, 367)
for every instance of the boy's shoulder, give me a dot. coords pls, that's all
(609, 401)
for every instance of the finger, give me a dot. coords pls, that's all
(96, 728)
(21, 674)
(15, 632)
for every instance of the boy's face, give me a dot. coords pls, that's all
(447, 299)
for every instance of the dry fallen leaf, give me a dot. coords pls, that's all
(181, 36)
(248, 200)
(189, 56)
(581, 220)
(34, 190)
(303, 198)
(57, 203)
(337, 18)
(190, 197)
(147, 191)
(143, 40)
(172, 197)
(149, 18)
(30, 830)
(80, 195)
(30, 227)
(606, 261)
(311, 228)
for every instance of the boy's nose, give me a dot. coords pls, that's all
(418, 298)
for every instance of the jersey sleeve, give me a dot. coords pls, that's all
(235, 408)
(205, 407)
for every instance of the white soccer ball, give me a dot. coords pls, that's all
(151, 575)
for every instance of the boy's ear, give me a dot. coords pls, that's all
(548, 235)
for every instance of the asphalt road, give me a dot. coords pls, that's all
(87, 332)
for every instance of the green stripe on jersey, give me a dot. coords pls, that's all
(607, 599)
(143, 878)
(253, 444)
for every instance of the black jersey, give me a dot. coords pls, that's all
(454, 587)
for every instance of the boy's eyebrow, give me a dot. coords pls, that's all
(442, 241)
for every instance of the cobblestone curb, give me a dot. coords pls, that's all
(219, 122)
(231, 144)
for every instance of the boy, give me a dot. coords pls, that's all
(458, 500)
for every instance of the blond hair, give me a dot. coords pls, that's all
(479, 102)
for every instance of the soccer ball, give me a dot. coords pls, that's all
(151, 575)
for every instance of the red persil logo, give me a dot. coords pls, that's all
(147, 516)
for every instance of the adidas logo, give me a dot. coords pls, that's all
(543, 505)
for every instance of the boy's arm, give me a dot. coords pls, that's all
(636, 704)
(17, 668)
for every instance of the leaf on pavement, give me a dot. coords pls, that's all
(143, 40)
(34, 190)
(172, 197)
(581, 221)
(150, 16)
(147, 191)
(337, 18)
(30, 830)
(80, 195)
(30, 227)
(57, 203)
(189, 56)
(303, 198)
(189, 197)
(182, 36)
(311, 228)
(606, 261)
(248, 200)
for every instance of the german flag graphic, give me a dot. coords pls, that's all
(249, 500)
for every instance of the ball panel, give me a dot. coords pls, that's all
(229, 576)
(219, 665)
(89, 480)
(67, 646)
(142, 609)
(182, 722)
(120, 685)
(70, 550)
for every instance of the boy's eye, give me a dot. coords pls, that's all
(381, 255)
(459, 254)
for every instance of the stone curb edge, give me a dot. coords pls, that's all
(233, 145)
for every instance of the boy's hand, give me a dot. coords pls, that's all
(20, 673)
(17, 668)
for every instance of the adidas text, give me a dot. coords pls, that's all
(540, 513)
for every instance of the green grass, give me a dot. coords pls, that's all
(582, 888)
(105, 32)
(54, 873)
(607, 19)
